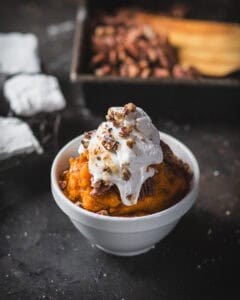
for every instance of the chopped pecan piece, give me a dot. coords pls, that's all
(63, 174)
(109, 30)
(179, 72)
(121, 54)
(148, 32)
(86, 138)
(103, 212)
(143, 63)
(145, 73)
(104, 70)
(133, 70)
(115, 117)
(98, 58)
(62, 184)
(133, 34)
(109, 143)
(128, 108)
(85, 143)
(130, 143)
(113, 57)
(163, 59)
(152, 55)
(173, 160)
(130, 197)
(99, 188)
(99, 31)
(125, 174)
(161, 73)
(88, 134)
(107, 169)
(125, 131)
(124, 70)
(132, 50)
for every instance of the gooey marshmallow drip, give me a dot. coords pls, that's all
(122, 150)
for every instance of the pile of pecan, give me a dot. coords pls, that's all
(121, 47)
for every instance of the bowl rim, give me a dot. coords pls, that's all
(193, 190)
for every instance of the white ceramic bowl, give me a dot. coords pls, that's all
(120, 235)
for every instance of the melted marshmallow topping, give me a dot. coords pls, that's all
(122, 150)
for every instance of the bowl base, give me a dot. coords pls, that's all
(125, 253)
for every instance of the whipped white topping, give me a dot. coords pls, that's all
(122, 150)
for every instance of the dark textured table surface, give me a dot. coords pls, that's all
(42, 256)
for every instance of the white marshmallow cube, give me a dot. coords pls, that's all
(16, 138)
(19, 53)
(32, 94)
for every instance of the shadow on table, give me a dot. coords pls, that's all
(198, 260)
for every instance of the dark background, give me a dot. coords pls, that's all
(42, 256)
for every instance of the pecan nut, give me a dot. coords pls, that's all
(125, 174)
(109, 143)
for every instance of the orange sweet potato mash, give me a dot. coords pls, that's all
(170, 184)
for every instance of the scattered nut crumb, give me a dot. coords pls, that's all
(62, 184)
(107, 169)
(109, 143)
(130, 143)
(78, 203)
(125, 131)
(103, 212)
(128, 108)
(125, 174)
(129, 197)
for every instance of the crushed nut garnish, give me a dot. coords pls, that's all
(126, 174)
(128, 108)
(88, 134)
(107, 169)
(109, 143)
(115, 117)
(86, 138)
(78, 203)
(129, 197)
(64, 173)
(130, 143)
(97, 151)
(85, 143)
(99, 188)
(62, 184)
(103, 212)
(125, 131)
